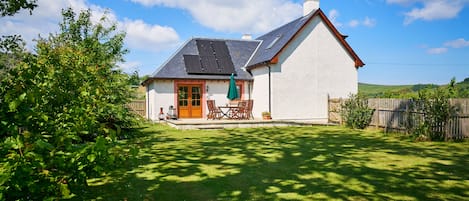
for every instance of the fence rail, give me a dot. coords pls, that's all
(395, 114)
(137, 107)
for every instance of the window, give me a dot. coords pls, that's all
(238, 88)
(273, 42)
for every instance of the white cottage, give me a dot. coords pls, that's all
(291, 71)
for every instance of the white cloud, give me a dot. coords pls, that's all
(149, 37)
(130, 66)
(242, 16)
(439, 50)
(47, 16)
(333, 15)
(354, 23)
(44, 19)
(458, 43)
(402, 2)
(429, 10)
(368, 22)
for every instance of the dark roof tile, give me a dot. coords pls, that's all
(239, 50)
(274, 41)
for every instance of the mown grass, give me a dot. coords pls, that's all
(291, 163)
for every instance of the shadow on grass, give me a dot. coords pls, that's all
(293, 163)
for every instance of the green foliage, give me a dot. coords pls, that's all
(143, 78)
(11, 7)
(437, 110)
(355, 112)
(61, 111)
(134, 79)
(11, 52)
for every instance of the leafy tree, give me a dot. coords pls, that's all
(419, 87)
(134, 79)
(466, 80)
(11, 47)
(11, 52)
(11, 7)
(61, 111)
(145, 77)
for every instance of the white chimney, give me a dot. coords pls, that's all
(309, 6)
(247, 37)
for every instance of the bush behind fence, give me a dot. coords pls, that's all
(396, 114)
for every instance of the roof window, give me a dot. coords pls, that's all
(274, 42)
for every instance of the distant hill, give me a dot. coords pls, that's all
(377, 89)
(406, 91)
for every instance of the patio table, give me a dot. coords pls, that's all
(229, 111)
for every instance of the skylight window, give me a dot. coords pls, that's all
(274, 42)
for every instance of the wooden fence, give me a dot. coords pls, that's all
(395, 114)
(138, 107)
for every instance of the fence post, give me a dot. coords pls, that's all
(328, 108)
(407, 117)
(377, 112)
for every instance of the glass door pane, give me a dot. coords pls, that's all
(183, 95)
(196, 96)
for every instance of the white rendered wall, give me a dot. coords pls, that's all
(312, 67)
(160, 93)
(217, 90)
(260, 91)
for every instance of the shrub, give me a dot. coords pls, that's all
(355, 112)
(61, 111)
(437, 110)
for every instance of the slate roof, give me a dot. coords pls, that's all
(239, 50)
(275, 41)
(248, 54)
(271, 46)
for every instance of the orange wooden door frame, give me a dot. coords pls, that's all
(189, 100)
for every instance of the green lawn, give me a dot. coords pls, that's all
(292, 163)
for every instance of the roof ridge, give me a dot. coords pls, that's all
(171, 57)
(284, 25)
(224, 39)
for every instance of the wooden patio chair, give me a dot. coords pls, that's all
(213, 111)
(248, 111)
(240, 112)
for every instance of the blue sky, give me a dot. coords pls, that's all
(401, 41)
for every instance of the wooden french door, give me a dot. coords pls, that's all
(189, 101)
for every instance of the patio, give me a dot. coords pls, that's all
(187, 124)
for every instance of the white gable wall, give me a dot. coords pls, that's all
(313, 66)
